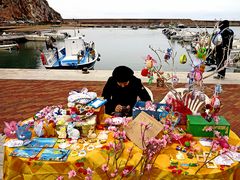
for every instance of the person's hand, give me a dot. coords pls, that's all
(118, 108)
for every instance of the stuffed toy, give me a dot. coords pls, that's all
(49, 129)
(23, 132)
(73, 133)
(10, 129)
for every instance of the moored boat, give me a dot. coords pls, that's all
(76, 54)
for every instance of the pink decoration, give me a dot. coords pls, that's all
(10, 129)
(71, 174)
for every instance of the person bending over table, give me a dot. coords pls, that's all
(122, 90)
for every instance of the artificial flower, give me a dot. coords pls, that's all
(71, 174)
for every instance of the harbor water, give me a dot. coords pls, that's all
(117, 46)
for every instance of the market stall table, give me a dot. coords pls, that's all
(25, 168)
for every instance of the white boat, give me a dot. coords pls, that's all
(76, 54)
(36, 37)
(57, 36)
(8, 45)
(43, 36)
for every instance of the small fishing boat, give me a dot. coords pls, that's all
(76, 54)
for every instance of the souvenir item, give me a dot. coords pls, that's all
(196, 125)
(81, 97)
(183, 59)
(64, 145)
(61, 131)
(82, 153)
(13, 143)
(51, 154)
(211, 164)
(102, 136)
(73, 133)
(49, 129)
(42, 142)
(207, 154)
(180, 156)
(97, 103)
(23, 132)
(25, 152)
(10, 129)
(91, 133)
(38, 128)
(200, 158)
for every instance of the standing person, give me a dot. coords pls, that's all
(223, 49)
(122, 90)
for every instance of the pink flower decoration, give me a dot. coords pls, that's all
(149, 167)
(71, 174)
(88, 178)
(89, 171)
(217, 133)
(209, 129)
(105, 168)
(125, 172)
(59, 178)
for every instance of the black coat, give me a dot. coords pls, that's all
(226, 45)
(123, 95)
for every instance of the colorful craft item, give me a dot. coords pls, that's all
(61, 131)
(173, 162)
(184, 149)
(73, 133)
(218, 88)
(149, 105)
(178, 148)
(38, 128)
(150, 61)
(176, 171)
(211, 165)
(10, 129)
(190, 155)
(144, 72)
(23, 132)
(180, 156)
(184, 166)
(187, 144)
(168, 54)
(201, 53)
(193, 164)
(202, 67)
(175, 79)
(183, 59)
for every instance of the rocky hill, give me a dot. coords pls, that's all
(28, 10)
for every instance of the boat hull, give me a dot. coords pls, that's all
(78, 66)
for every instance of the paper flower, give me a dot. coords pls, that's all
(71, 174)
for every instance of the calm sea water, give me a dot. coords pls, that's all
(117, 46)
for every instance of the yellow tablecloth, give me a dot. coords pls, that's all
(23, 168)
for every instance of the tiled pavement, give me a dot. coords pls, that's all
(20, 99)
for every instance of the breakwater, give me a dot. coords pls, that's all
(143, 22)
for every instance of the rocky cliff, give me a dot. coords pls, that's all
(34, 10)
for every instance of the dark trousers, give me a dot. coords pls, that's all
(220, 60)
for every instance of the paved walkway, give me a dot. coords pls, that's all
(96, 75)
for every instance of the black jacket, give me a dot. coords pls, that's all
(123, 95)
(226, 45)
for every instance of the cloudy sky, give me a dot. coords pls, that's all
(201, 9)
